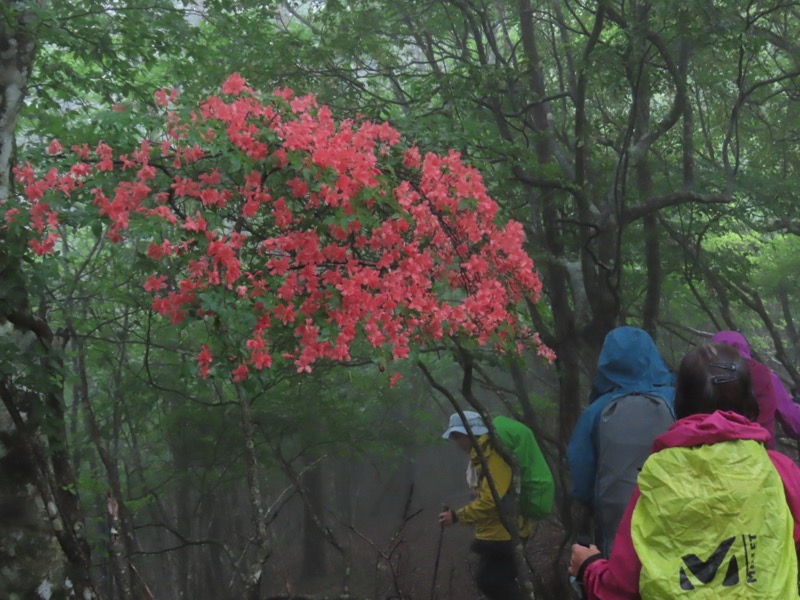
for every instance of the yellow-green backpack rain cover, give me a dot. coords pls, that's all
(712, 522)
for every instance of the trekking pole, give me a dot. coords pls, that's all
(445, 508)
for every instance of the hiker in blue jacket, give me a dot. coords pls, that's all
(631, 402)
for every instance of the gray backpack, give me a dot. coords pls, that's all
(623, 439)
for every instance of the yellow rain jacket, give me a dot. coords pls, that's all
(482, 511)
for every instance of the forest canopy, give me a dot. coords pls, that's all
(230, 227)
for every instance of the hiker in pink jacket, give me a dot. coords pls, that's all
(714, 512)
(780, 404)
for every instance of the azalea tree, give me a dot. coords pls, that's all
(272, 218)
(284, 239)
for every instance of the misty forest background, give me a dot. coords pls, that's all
(649, 148)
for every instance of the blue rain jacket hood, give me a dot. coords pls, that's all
(629, 363)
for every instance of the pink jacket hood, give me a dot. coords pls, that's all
(720, 426)
(735, 339)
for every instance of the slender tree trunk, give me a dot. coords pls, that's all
(794, 338)
(555, 273)
(641, 94)
(253, 583)
(313, 540)
(119, 534)
(17, 55)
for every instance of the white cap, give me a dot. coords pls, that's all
(457, 425)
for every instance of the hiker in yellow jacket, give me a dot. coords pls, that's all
(496, 573)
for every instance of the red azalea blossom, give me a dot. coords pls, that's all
(155, 283)
(204, 361)
(161, 97)
(412, 159)
(240, 373)
(234, 85)
(165, 95)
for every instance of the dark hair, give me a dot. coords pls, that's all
(714, 377)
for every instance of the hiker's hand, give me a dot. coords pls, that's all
(579, 555)
(446, 518)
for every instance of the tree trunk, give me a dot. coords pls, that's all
(313, 540)
(38, 418)
(255, 574)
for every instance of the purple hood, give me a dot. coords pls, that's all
(735, 339)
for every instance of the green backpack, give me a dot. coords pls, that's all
(536, 487)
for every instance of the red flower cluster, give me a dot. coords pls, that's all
(276, 209)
